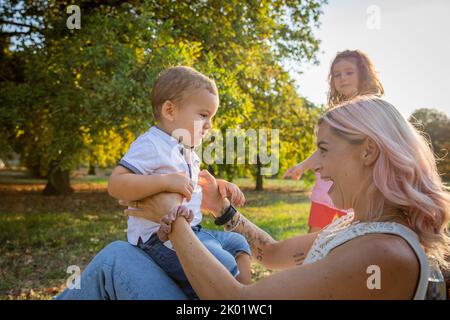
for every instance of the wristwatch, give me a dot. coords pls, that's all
(227, 216)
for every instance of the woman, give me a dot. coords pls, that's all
(379, 165)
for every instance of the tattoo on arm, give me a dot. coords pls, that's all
(257, 238)
(299, 258)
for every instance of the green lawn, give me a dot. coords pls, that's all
(41, 236)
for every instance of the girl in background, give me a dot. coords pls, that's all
(351, 74)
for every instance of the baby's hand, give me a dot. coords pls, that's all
(231, 191)
(180, 183)
(295, 172)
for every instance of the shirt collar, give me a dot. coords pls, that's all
(169, 139)
(164, 136)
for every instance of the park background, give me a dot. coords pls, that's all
(73, 99)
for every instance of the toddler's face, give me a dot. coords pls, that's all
(194, 116)
(345, 77)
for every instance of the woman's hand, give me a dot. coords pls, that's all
(231, 191)
(212, 200)
(153, 208)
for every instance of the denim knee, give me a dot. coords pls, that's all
(232, 242)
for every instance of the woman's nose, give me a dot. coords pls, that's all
(317, 166)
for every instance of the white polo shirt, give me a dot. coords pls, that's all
(156, 152)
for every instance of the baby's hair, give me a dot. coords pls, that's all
(369, 84)
(173, 82)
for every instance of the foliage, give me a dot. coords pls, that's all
(78, 96)
(436, 126)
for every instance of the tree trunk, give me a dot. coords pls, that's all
(259, 177)
(58, 182)
(211, 170)
(35, 172)
(92, 171)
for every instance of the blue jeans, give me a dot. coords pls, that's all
(225, 246)
(121, 271)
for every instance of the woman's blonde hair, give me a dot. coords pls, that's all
(404, 175)
(368, 78)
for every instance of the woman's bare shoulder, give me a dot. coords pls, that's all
(381, 246)
(386, 255)
(375, 266)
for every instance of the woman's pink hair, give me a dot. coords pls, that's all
(404, 175)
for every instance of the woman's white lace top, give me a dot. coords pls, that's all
(345, 229)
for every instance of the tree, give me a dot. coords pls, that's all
(82, 95)
(250, 39)
(436, 126)
(80, 85)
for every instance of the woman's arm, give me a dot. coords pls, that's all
(267, 251)
(340, 275)
(271, 253)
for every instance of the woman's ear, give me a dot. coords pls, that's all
(370, 152)
(168, 110)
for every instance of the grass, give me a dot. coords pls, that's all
(41, 236)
